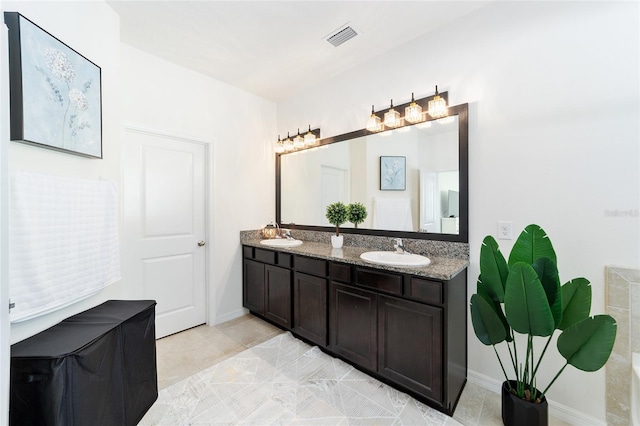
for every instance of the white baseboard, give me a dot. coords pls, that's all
(556, 410)
(230, 315)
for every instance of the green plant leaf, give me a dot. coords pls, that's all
(486, 322)
(525, 302)
(481, 289)
(493, 268)
(588, 343)
(532, 244)
(356, 213)
(337, 214)
(548, 274)
(576, 302)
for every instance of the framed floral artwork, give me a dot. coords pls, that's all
(393, 172)
(55, 91)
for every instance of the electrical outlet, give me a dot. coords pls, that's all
(504, 231)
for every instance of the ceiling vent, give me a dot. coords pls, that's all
(343, 35)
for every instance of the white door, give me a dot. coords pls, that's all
(334, 186)
(164, 223)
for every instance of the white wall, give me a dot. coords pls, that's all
(554, 103)
(93, 29)
(239, 128)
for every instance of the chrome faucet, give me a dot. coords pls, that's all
(288, 235)
(400, 247)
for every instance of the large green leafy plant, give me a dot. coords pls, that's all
(535, 304)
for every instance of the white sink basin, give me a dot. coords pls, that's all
(392, 258)
(282, 242)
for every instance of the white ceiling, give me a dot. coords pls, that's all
(277, 48)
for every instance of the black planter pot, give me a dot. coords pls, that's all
(518, 412)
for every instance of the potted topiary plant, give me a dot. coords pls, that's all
(337, 215)
(535, 304)
(356, 213)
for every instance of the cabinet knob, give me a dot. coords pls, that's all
(201, 243)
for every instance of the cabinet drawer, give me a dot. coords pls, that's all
(311, 266)
(425, 290)
(247, 252)
(285, 259)
(389, 283)
(266, 256)
(340, 272)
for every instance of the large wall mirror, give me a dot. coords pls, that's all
(413, 180)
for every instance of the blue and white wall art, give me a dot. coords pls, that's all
(55, 91)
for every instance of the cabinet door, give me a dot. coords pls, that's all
(353, 328)
(310, 307)
(278, 295)
(253, 286)
(410, 345)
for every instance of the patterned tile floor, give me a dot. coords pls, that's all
(284, 380)
(247, 371)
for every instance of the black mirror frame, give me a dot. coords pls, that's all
(462, 111)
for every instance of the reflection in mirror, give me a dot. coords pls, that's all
(352, 171)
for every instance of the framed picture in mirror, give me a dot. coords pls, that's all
(393, 173)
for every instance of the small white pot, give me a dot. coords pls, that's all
(336, 241)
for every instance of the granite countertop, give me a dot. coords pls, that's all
(440, 268)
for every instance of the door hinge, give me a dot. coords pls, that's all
(11, 305)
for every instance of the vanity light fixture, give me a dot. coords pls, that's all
(279, 146)
(413, 113)
(298, 142)
(392, 117)
(309, 138)
(374, 124)
(437, 106)
(288, 144)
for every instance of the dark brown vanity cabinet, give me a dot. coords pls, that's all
(266, 286)
(354, 324)
(310, 299)
(408, 330)
(411, 355)
(397, 338)
(310, 307)
(277, 289)
(253, 286)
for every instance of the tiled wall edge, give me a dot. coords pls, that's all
(616, 378)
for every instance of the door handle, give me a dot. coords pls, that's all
(201, 243)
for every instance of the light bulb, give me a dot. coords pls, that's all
(392, 117)
(437, 106)
(288, 144)
(279, 146)
(374, 124)
(309, 138)
(413, 113)
(298, 142)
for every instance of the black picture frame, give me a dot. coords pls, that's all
(393, 173)
(55, 92)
